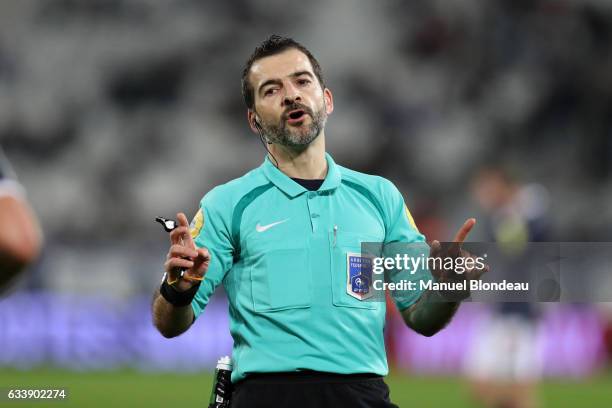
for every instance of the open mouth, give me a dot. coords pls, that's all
(296, 115)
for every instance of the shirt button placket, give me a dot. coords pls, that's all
(313, 210)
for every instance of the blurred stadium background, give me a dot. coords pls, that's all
(116, 111)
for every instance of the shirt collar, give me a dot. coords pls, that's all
(293, 189)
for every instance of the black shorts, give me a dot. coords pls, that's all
(311, 389)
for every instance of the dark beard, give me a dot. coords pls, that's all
(285, 136)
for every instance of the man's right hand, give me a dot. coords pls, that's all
(183, 254)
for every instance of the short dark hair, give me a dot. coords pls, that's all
(275, 44)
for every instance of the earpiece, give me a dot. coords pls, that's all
(260, 129)
(263, 138)
(256, 123)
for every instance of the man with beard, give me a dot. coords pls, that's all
(284, 240)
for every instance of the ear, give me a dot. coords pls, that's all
(252, 118)
(329, 100)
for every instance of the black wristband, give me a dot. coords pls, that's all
(178, 298)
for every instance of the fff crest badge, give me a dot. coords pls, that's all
(359, 275)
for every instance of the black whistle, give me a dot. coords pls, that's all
(168, 224)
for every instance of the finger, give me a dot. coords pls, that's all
(181, 251)
(435, 248)
(467, 255)
(173, 276)
(173, 264)
(177, 234)
(455, 247)
(470, 262)
(476, 274)
(203, 253)
(182, 219)
(483, 270)
(201, 264)
(183, 222)
(464, 230)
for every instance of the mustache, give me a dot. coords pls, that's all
(294, 106)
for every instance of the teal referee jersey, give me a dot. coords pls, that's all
(280, 251)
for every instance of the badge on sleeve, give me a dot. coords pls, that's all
(196, 224)
(359, 275)
(410, 219)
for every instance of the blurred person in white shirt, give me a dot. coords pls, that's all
(504, 365)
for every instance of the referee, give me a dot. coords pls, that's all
(278, 240)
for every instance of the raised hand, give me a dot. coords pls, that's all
(184, 258)
(454, 250)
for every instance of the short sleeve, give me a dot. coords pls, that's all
(403, 238)
(210, 229)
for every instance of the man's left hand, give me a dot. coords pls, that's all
(453, 250)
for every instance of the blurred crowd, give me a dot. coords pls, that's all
(115, 111)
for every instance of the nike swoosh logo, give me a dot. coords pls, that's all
(262, 228)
